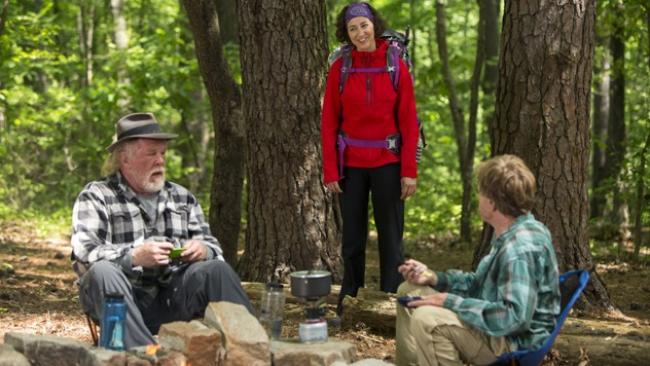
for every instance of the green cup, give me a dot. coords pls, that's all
(176, 253)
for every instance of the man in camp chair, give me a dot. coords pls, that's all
(143, 237)
(509, 303)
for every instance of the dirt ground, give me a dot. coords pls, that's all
(38, 296)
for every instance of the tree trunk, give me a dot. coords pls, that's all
(412, 41)
(489, 12)
(86, 31)
(227, 11)
(640, 186)
(542, 115)
(121, 36)
(121, 39)
(4, 13)
(599, 135)
(293, 223)
(225, 99)
(195, 139)
(640, 198)
(458, 122)
(615, 148)
(647, 23)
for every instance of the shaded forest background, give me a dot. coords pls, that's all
(564, 84)
(69, 69)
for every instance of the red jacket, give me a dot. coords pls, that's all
(369, 109)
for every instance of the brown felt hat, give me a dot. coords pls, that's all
(138, 125)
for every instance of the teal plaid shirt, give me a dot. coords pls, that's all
(515, 290)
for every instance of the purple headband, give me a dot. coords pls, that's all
(358, 10)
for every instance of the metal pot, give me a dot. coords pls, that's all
(312, 284)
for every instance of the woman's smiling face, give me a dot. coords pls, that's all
(362, 34)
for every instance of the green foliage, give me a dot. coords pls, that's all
(55, 123)
(631, 16)
(58, 123)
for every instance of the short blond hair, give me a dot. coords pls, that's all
(507, 181)
(112, 163)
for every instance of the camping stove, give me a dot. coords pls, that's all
(312, 287)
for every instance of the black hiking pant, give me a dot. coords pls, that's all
(185, 298)
(388, 209)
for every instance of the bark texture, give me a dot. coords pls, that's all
(542, 115)
(225, 99)
(293, 223)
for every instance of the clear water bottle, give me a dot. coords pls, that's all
(112, 326)
(272, 309)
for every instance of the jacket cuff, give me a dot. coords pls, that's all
(409, 171)
(452, 302)
(126, 263)
(442, 282)
(210, 253)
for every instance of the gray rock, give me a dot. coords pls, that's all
(10, 357)
(48, 350)
(60, 351)
(327, 353)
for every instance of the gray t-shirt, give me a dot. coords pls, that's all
(150, 204)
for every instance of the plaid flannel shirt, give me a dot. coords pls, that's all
(109, 221)
(515, 289)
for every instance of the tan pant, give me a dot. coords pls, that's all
(431, 335)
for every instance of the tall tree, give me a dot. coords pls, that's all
(640, 197)
(121, 39)
(228, 24)
(599, 133)
(616, 134)
(489, 11)
(86, 31)
(489, 29)
(225, 99)
(465, 141)
(4, 12)
(542, 115)
(291, 219)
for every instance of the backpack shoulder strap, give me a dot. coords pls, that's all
(346, 55)
(392, 63)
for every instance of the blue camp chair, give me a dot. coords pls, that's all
(571, 285)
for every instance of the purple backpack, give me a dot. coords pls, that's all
(397, 49)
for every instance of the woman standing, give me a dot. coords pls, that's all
(369, 134)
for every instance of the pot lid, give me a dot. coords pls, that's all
(310, 274)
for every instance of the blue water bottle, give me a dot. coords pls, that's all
(112, 326)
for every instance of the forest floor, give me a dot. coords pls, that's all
(38, 296)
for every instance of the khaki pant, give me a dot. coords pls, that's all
(431, 335)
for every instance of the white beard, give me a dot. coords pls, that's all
(155, 186)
